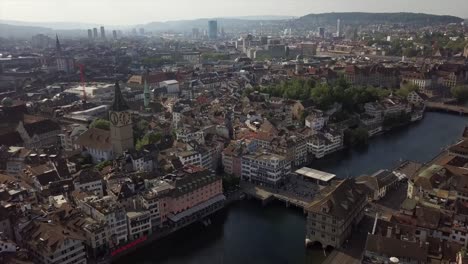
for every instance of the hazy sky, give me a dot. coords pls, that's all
(120, 12)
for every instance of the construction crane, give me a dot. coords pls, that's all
(82, 81)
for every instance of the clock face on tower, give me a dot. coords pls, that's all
(124, 118)
(120, 118)
(114, 118)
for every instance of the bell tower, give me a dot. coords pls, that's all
(121, 123)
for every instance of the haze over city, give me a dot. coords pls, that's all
(119, 12)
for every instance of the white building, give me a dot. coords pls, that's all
(315, 120)
(202, 158)
(97, 143)
(187, 134)
(89, 181)
(69, 137)
(172, 86)
(322, 144)
(263, 168)
(139, 224)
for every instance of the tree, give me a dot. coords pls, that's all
(358, 137)
(101, 124)
(148, 139)
(404, 91)
(460, 93)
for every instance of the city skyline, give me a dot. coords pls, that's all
(104, 12)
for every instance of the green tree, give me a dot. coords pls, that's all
(148, 139)
(101, 124)
(406, 89)
(460, 92)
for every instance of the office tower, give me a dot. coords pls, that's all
(195, 33)
(321, 32)
(134, 31)
(103, 33)
(90, 34)
(95, 33)
(213, 29)
(142, 31)
(338, 28)
(114, 34)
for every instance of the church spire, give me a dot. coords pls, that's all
(119, 103)
(58, 48)
(146, 94)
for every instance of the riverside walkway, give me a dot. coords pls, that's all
(437, 106)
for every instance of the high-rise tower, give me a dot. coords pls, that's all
(121, 123)
(213, 29)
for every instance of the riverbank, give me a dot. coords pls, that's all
(247, 232)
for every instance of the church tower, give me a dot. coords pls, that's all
(121, 123)
(147, 95)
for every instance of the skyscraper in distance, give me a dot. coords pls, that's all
(114, 34)
(103, 32)
(212, 29)
(321, 32)
(95, 35)
(338, 27)
(90, 34)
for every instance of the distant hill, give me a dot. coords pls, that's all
(12, 31)
(358, 18)
(226, 23)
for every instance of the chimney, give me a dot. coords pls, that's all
(389, 232)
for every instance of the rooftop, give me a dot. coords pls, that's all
(315, 174)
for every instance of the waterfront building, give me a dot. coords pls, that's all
(332, 217)
(156, 200)
(325, 142)
(265, 168)
(212, 29)
(139, 224)
(197, 193)
(51, 243)
(107, 210)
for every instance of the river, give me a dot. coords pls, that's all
(247, 233)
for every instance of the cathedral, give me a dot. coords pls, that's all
(120, 123)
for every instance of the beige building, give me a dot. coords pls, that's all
(332, 217)
(52, 243)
